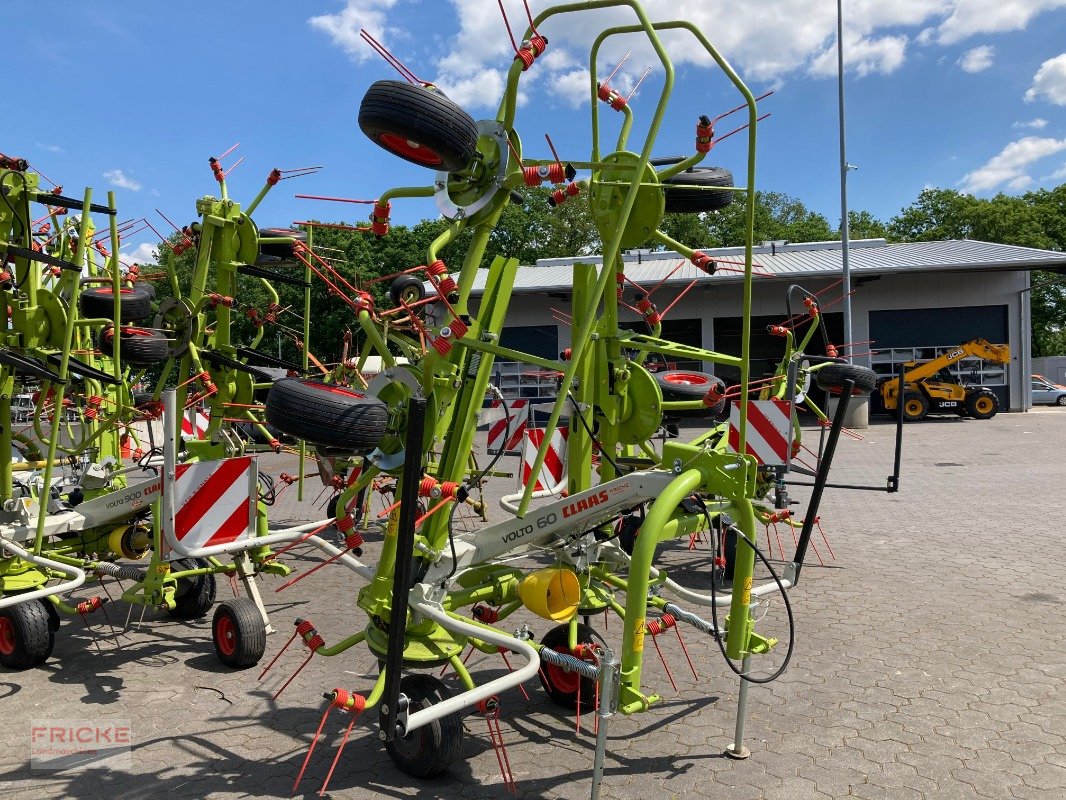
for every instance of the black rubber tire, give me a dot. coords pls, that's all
(98, 302)
(565, 696)
(1060, 400)
(238, 633)
(627, 532)
(282, 251)
(684, 385)
(28, 635)
(326, 414)
(431, 749)
(973, 401)
(695, 201)
(419, 125)
(408, 288)
(921, 406)
(732, 536)
(194, 596)
(141, 347)
(832, 376)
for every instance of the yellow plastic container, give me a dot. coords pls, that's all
(552, 593)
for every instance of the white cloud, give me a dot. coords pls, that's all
(966, 18)
(1049, 82)
(766, 42)
(343, 27)
(573, 87)
(482, 90)
(118, 178)
(1009, 165)
(1057, 175)
(50, 148)
(978, 59)
(144, 253)
(863, 56)
(1035, 124)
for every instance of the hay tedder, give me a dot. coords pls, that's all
(436, 590)
(88, 496)
(80, 493)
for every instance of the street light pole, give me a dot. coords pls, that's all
(844, 167)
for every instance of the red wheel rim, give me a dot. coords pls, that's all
(225, 635)
(109, 290)
(328, 387)
(561, 679)
(135, 332)
(687, 378)
(7, 636)
(402, 146)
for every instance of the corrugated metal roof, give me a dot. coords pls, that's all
(814, 259)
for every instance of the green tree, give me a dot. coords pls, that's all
(863, 225)
(1035, 219)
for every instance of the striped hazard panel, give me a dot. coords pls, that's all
(214, 501)
(768, 430)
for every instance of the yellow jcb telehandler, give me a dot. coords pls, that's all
(931, 389)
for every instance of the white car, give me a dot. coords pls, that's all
(1047, 393)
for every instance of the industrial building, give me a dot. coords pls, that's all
(910, 301)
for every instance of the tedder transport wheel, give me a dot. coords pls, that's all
(239, 633)
(99, 303)
(406, 288)
(560, 684)
(429, 750)
(915, 407)
(141, 347)
(982, 404)
(194, 596)
(326, 414)
(418, 124)
(26, 635)
(280, 250)
(832, 376)
(694, 201)
(680, 385)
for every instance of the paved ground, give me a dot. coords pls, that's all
(929, 662)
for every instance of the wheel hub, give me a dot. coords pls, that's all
(7, 636)
(225, 635)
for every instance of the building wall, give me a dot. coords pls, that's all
(900, 291)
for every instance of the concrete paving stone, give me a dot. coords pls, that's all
(872, 791)
(914, 663)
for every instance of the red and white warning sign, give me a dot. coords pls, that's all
(768, 430)
(194, 425)
(553, 471)
(214, 502)
(514, 418)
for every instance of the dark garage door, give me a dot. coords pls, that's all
(926, 332)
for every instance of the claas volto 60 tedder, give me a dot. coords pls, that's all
(415, 424)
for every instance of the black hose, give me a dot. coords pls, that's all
(788, 610)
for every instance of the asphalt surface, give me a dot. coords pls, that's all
(929, 662)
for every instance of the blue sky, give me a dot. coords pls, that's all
(135, 96)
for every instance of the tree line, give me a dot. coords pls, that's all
(532, 230)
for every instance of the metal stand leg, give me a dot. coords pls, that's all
(609, 670)
(247, 576)
(737, 749)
